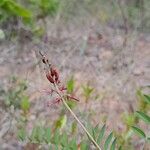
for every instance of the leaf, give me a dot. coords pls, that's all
(138, 131)
(147, 98)
(61, 122)
(33, 135)
(101, 134)
(84, 146)
(47, 135)
(25, 104)
(74, 127)
(108, 140)
(143, 116)
(73, 144)
(70, 85)
(2, 2)
(148, 138)
(17, 9)
(56, 137)
(113, 145)
(87, 91)
(22, 134)
(64, 140)
(120, 148)
(95, 131)
(39, 134)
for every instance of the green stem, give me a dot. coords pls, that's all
(76, 118)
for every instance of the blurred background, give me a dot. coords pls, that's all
(101, 49)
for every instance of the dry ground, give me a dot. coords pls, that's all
(91, 53)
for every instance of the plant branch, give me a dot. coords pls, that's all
(76, 118)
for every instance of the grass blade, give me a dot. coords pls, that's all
(113, 145)
(108, 140)
(138, 131)
(47, 135)
(95, 131)
(147, 98)
(143, 116)
(101, 134)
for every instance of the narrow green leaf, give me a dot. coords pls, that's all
(70, 85)
(84, 146)
(120, 148)
(64, 140)
(56, 137)
(25, 104)
(74, 127)
(143, 116)
(148, 139)
(56, 147)
(22, 134)
(108, 140)
(95, 131)
(138, 131)
(101, 134)
(39, 134)
(147, 98)
(47, 135)
(17, 9)
(61, 122)
(113, 145)
(73, 145)
(33, 135)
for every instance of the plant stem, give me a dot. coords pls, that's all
(76, 118)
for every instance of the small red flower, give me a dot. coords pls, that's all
(49, 77)
(52, 75)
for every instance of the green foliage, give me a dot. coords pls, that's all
(139, 131)
(87, 92)
(99, 136)
(70, 85)
(22, 134)
(141, 114)
(61, 122)
(42, 135)
(128, 119)
(73, 127)
(12, 11)
(48, 6)
(47, 135)
(71, 90)
(108, 141)
(57, 138)
(25, 104)
(10, 8)
(15, 95)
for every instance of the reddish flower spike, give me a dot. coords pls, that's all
(49, 77)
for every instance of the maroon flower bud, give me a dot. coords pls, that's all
(54, 73)
(49, 77)
(71, 97)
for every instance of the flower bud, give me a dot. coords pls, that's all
(49, 77)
